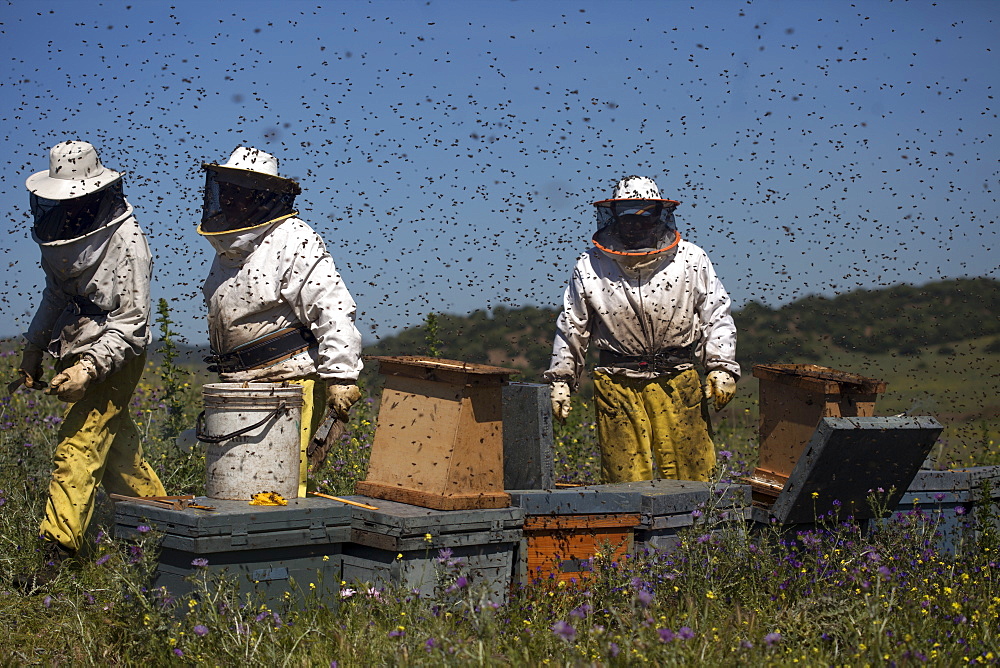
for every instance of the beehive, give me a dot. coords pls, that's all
(439, 440)
(793, 400)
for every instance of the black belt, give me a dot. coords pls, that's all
(272, 348)
(664, 360)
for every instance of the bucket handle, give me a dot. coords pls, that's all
(207, 438)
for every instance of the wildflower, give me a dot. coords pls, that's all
(201, 630)
(398, 632)
(696, 513)
(460, 583)
(959, 510)
(142, 528)
(939, 496)
(725, 455)
(581, 611)
(564, 631)
(430, 644)
(613, 649)
(428, 538)
(178, 651)
(200, 562)
(645, 597)
(444, 554)
(685, 633)
(772, 638)
(47, 601)
(103, 560)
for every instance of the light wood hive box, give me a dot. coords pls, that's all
(439, 439)
(793, 400)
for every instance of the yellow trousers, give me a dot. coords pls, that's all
(98, 444)
(313, 412)
(653, 428)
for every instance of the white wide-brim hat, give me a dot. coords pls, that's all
(257, 169)
(74, 171)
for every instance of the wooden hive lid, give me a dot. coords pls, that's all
(819, 379)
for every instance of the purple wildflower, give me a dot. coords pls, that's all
(103, 560)
(581, 611)
(564, 631)
(959, 510)
(645, 597)
(142, 528)
(178, 651)
(725, 455)
(613, 649)
(430, 644)
(397, 633)
(685, 633)
(201, 630)
(47, 601)
(772, 638)
(200, 562)
(666, 635)
(939, 496)
(444, 554)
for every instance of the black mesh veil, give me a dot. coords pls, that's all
(237, 199)
(633, 226)
(65, 219)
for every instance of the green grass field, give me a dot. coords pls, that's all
(831, 595)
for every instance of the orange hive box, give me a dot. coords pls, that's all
(793, 400)
(439, 440)
(561, 545)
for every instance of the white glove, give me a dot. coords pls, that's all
(720, 386)
(341, 397)
(560, 399)
(71, 385)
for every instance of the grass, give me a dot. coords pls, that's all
(837, 594)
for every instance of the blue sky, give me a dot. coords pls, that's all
(449, 152)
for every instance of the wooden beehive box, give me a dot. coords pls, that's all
(439, 440)
(793, 400)
(563, 546)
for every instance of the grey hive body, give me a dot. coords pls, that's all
(400, 544)
(267, 550)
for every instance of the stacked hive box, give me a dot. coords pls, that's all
(267, 550)
(955, 505)
(419, 548)
(566, 528)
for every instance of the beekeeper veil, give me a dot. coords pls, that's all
(636, 221)
(76, 195)
(245, 193)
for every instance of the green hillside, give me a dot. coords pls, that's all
(937, 346)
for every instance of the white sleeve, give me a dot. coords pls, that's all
(317, 294)
(718, 331)
(572, 335)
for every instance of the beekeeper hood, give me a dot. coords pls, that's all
(75, 196)
(636, 223)
(245, 193)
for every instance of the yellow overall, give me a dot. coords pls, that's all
(313, 413)
(655, 427)
(98, 444)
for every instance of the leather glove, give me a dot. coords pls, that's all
(71, 385)
(29, 372)
(720, 386)
(561, 405)
(340, 398)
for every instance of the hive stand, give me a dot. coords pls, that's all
(439, 440)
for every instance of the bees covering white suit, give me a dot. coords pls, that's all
(278, 309)
(652, 304)
(94, 319)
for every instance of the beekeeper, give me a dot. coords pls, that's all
(653, 306)
(94, 319)
(277, 308)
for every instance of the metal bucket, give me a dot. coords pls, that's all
(251, 432)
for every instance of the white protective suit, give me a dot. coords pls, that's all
(276, 276)
(119, 286)
(672, 300)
